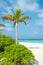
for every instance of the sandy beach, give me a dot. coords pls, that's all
(37, 50)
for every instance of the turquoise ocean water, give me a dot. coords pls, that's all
(31, 40)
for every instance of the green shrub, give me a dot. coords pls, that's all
(17, 54)
(13, 53)
(5, 41)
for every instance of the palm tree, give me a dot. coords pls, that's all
(17, 17)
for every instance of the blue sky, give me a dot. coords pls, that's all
(32, 8)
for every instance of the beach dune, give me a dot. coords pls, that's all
(37, 50)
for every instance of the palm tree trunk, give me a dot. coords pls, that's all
(16, 32)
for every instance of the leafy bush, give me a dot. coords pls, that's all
(13, 53)
(5, 41)
(17, 54)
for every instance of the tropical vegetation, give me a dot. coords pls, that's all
(5, 41)
(12, 53)
(16, 54)
(17, 17)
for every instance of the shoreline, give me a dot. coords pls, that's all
(37, 50)
(34, 45)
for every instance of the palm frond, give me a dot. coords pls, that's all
(17, 17)
(24, 22)
(2, 25)
(8, 17)
(14, 23)
(25, 17)
(17, 13)
(13, 11)
(12, 16)
(21, 15)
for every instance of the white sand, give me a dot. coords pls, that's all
(37, 50)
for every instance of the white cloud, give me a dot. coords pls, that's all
(3, 4)
(11, 1)
(7, 24)
(9, 29)
(40, 14)
(33, 7)
(26, 5)
(40, 22)
(8, 9)
(5, 7)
